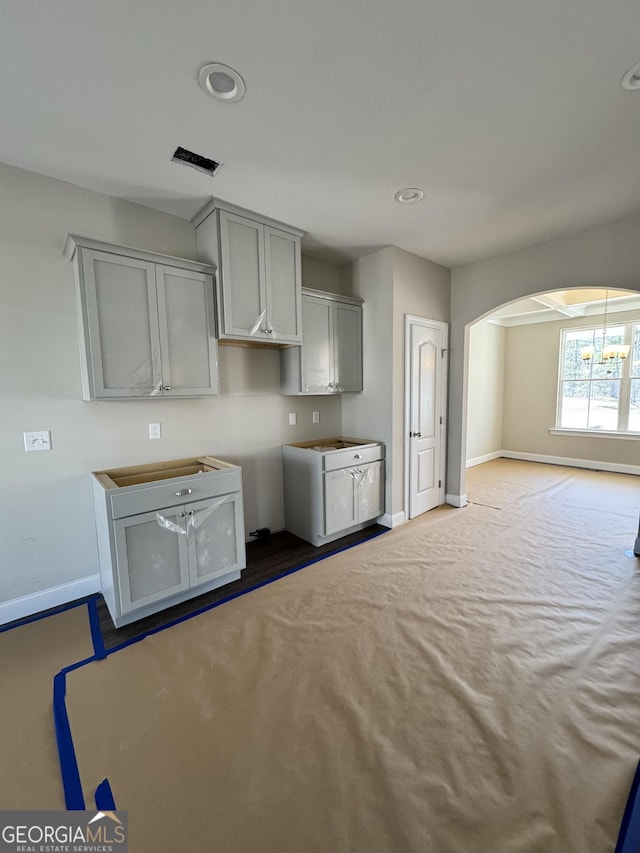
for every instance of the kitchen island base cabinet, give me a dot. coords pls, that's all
(332, 488)
(164, 540)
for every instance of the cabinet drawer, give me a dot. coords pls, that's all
(352, 456)
(147, 497)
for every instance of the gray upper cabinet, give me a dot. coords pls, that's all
(330, 359)
(259, 279)
(146, 323)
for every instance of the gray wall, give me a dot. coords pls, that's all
(46, 519)
(393, 283)
(606, 256)
(487, 343)
(320, 275)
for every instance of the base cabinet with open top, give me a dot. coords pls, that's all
(167, 532)
(332, 487)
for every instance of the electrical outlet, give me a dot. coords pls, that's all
(293, 419)
(155, 431)
(40, 440)
(315, 417)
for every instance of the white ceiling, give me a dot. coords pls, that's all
(507, 113)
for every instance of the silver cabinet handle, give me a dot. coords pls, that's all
(183, 492)
(181, 514)
(415, 435)
(165, 387)
(357, 455)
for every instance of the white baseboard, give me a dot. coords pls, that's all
(388, 520)
(590, 464)
(488, 457)
(456, 500)
(36, 602)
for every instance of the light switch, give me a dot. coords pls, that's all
(315, 417)
(293, 419)
(40, 440)
(155, 431)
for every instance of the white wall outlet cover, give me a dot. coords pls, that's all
(293, 419)
(315, 417)
(155, 431)
(40, 440)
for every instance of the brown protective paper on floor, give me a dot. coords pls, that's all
(467, 682)
(30, 656)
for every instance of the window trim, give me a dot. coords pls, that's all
(594, 433)
(631, 328)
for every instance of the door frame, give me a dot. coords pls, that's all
(411, 320)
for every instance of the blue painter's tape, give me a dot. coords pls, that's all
(96, 633)
(629, 837)
(238, 594)
(53, 611)
(68, 764)
(104, 797)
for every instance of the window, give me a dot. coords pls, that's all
(597, 396)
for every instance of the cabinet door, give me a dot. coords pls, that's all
(284, 284)
(122, 322)
(348, 346)
(243, 277)
(152, 561)
(216, 538)
(370, 483)
(316, 353)
(340, 500)
(187, 343)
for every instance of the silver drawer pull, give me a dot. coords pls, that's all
(357, 455)
(166, 387)
(183, 492)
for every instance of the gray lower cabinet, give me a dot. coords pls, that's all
(167, 532)
(332, 487)
(146, 323)
(352, 496)
(259, 273)
(330, 358)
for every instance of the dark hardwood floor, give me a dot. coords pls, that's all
(267, 559)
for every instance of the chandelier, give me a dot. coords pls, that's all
(610, 354)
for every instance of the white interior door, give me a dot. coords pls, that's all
(426, 343)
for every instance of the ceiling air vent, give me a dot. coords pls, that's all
(197, 161)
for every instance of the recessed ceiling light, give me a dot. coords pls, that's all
(410, 195)
(631, 79)
(222, 82)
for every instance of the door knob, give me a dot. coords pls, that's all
(415, 435)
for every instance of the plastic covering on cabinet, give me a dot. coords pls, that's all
(194, 518)
(264, 326)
